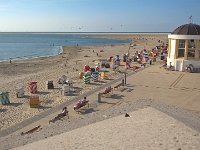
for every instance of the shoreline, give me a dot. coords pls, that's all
(118, 36)
(59, 52)
(61, 48)
(58, 48)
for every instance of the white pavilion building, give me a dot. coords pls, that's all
(184, 47)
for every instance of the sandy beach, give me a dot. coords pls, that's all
(152, 92)
(70, 63)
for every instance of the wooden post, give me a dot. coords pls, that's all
(123, 82)
(125, 78)
(99, 97)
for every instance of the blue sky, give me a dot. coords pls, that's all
(96, 15)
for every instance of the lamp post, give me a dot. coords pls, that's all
(126, 64)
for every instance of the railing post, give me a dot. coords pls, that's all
(125, 78)
(99, 97)
(123, 82)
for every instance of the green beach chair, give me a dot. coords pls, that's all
(4, 98)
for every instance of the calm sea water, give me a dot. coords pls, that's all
(30, 45)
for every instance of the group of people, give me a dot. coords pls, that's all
(65, 111)
(142, 56)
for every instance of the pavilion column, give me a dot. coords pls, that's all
(169, 48)
(197, 49)
(176, 50)
(186, 49)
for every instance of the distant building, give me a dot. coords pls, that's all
(184, 47)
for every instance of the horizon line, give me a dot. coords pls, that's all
(81, 32)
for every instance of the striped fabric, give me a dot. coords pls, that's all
(86, 79)
(32, 87)
(95, 76)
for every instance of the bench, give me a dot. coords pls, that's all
(107, 91)
(118, 85)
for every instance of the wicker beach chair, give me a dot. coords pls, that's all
(86, 79)
(95, 76)
(4, 98)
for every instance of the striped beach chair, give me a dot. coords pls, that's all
(86, 79)
(95, 76)
(32, 87)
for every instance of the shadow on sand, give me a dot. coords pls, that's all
(86, 110)
(115, 96)
(3, 110)
(44, 107)
(15, 104)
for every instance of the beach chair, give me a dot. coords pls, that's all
(86, 79)
(69, 83)
(20, 90)
(95, 76)
(32, 87)
(81, 75)
(62, 80)
(86, 68)
(104, 75)
(4, 98)
(65, 90)
(34, 101)
(49, 85)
